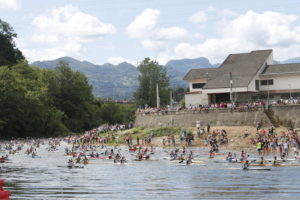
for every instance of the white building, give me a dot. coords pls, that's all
(247, 76)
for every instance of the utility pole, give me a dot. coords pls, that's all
(171, 100)
(231, 99)
(157, 96)
(290, 91)
(268, 95)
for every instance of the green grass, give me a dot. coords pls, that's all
(165, 131)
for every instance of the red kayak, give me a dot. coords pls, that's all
(4, 194)
(132, 149)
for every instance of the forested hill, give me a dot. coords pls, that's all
(120, 81)
(115, 81)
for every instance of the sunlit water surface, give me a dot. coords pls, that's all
(41, 178)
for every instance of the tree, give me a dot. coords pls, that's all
(9, 54)
(72, 94)
(151, 73)
(178, 94)
(25, 105)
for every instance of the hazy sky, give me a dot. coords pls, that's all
(113, 31)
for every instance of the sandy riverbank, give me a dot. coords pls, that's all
(235, 135)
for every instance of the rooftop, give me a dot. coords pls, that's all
(202, 73)
(281, 69)
(243, 66)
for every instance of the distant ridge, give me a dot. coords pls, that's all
(120, 81)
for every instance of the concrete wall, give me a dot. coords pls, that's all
(283, 82)
(287, 114)
(196, 81)
(195, 99)
(220, 118)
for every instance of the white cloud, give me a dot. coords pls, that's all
(65, 30)
(10, 4)
(246, 32)
(144, 28)
(172, 33)
(198, 18)
(117, 60)
(49, 53)
(143, 24)
(69, 21)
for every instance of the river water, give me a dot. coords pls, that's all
(41, 178)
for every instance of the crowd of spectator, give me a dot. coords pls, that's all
(242, 107)
(267, 141)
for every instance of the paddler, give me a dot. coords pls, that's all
(229, 157)
(78, 159)
(261, 162)
(70, 163)
(140, 156)
(246, 165)
(85, 160)
(189, 160)
(275, 162)
(123, 160)
(211, 154)
(147, 157)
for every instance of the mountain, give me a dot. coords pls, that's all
(178, 68)
(108, 81)
(120, 81)
(291, 60)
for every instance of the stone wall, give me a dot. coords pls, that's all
(287, 115)
(219, 118)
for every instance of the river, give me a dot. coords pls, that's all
(41, 178)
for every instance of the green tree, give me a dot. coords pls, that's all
(73, 96)
(151, 73)
(9, 54)
(25, 105)
(111, 113)
(178, 93)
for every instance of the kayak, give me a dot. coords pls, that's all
(145, 160)
(192, 164)
(258, 169)
(4, 194)
(93, 158)
(132, 149)
(75, 166)
(278, 165)
(215, 154)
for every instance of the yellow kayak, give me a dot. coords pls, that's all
(277, 165)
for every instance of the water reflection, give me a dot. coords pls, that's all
(41, 178)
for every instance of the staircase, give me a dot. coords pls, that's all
(270, 114)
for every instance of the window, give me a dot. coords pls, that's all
(198, 85)
(267, 82)
(257, 84)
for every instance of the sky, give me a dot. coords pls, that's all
(115, 31)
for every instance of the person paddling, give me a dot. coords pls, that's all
(246, 165)
(261, 162)
(275, 162)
